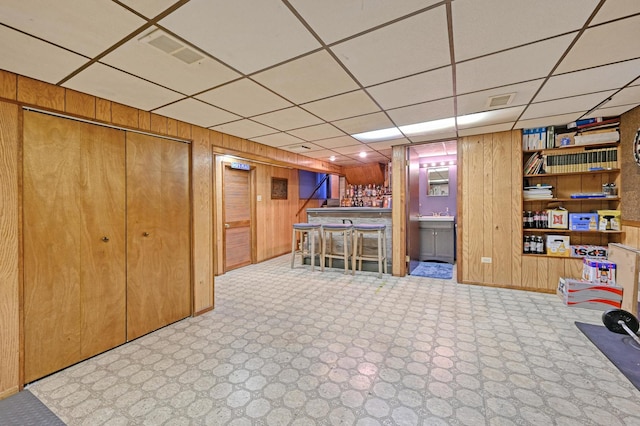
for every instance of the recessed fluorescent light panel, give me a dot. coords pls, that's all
(378, 135)
(428, 126)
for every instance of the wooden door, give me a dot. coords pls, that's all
(74, 282)
(237, 218)
(158, 233)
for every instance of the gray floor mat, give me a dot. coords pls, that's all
(24, 409)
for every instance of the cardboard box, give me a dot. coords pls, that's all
(558, 245)
(609, 220)
(583, 221)
(599, 271)
(594, 252)
(565, 139)
(582, 294)
(558, 219)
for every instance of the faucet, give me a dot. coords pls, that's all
(347, 220)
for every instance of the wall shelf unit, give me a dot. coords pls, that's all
(570, 171)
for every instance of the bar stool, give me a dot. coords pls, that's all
(306, 231)
(328, 249)
(359, 232)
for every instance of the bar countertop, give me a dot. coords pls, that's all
(349, 210)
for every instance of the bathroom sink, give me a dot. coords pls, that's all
(436, 218)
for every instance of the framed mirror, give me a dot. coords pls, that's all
(438, 181)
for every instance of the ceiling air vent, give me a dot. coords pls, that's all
(166, 43)
(500, 100)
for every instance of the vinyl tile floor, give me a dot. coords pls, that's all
(294, 347)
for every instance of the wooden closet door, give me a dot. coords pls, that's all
(103, 254)
(74, 286)
(158, 233)
(237, 218)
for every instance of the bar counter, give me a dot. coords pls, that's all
(356, 215)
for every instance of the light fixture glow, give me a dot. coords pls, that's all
(451, 163)
(332, 158)
(472, 118)
(363, 154)
(442, 163)
(378, 135)
(428, 126)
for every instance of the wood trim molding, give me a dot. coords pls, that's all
(634, 223)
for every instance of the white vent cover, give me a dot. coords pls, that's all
(163, 41)
(500, 100)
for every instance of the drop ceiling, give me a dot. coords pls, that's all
(305, 75)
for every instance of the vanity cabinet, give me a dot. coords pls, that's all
(437, 240)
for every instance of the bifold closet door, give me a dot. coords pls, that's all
(158, 233)
(74, 242)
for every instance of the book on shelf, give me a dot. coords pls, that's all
(534, 164)
(584, 122)
(595, 159)
(602, 124)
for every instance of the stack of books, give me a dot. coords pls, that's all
(596, 130)
(534, 165)
(538, 192)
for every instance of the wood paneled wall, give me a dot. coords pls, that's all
(17, 91)
(490, 205)
(9, 249)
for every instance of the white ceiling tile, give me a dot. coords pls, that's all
(196, 112)
(551, 120)
(610, 41)
(343, 106)
(334, 20)
(420, 113)
(288, 119)
(561, 106)
(597, 79)
(626, 96)
(302, 147)
(245, 129)
(277, 140)
(59, 62)
(413, 45)
(512, 66)
(613, 111)
(309, 78)
(616, 9)
(415, 89)
(498, 116)
(353, 149)
(149, 8)
(108, 83)
(481, 130)
(384, 145)
(244, 97)
(324, 154)
(478, 101)
(482, 27)
(242, 33)
(313, 133)
(364, 123)
(446, 134)
(87, 27)
(337, 142)
(140, 58)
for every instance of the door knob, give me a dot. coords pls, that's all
(226, 225)
(145, 234)
(105, 239)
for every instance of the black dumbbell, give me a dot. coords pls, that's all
(621, 322)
